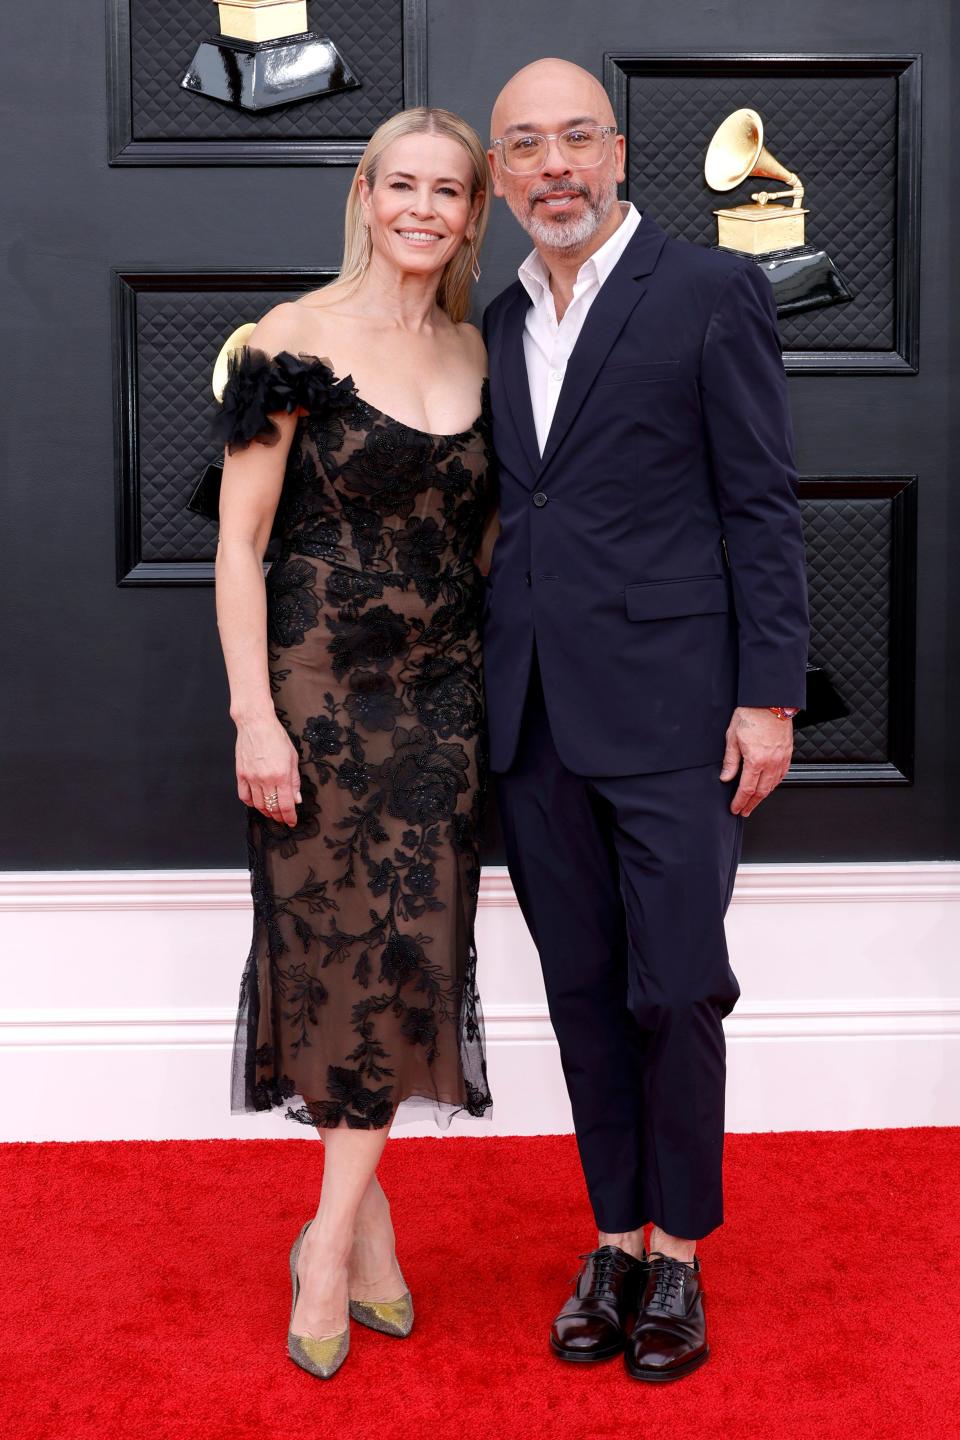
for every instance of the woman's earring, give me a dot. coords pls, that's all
(475, 270)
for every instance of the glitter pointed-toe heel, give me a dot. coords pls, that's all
(391, 1317)
(324, 1357)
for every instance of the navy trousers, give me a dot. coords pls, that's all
(624, 882)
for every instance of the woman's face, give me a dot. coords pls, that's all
(419, 210)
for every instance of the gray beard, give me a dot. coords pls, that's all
(563, 233)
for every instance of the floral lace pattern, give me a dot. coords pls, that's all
(360, 988)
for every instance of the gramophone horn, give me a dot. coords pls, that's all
(234, 341)
(737, 150)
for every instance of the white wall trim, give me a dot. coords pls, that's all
(849, 1014)
(504, 1024)
(230, 889)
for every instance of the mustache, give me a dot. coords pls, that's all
(563, 187)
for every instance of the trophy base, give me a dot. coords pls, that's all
(761, 229)
(258, 75)
(803, 278)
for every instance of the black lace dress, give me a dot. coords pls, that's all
(360, 988)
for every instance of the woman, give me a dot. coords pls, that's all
(355, 686)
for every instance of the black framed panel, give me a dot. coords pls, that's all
(861, 535)
(849, 125)
(168, 329)
(153, 121)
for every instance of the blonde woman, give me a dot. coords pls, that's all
(355, 426)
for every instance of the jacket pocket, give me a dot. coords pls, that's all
(631, 374)
(666, 599)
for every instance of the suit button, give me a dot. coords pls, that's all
(526, 579)
(539, 499)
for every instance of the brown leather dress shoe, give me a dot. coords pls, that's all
(669, 1337)
(591, 1325)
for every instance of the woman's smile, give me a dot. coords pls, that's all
(419, 237)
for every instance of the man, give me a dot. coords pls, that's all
(645, 637)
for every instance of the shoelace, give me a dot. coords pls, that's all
(669, 1276)
(607, 1263)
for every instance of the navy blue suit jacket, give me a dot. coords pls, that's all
(654, 553)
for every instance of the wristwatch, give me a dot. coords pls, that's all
(784, 712)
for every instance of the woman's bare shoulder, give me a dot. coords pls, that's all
(472, 342)
(281, 328)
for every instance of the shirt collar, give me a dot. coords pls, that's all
(534, 273)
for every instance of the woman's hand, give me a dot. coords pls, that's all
(268, 770)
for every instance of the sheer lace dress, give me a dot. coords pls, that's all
(359, 992)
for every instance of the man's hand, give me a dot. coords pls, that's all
(765, 744)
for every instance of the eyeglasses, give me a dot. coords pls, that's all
(580, 147)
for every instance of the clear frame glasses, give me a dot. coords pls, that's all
(580, 147)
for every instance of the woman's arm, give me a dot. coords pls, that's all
(490, 532)
(249, 495)
(491, 529)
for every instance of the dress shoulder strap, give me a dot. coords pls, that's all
(259, 385)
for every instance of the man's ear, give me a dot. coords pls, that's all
(494, 162)
(620, 157)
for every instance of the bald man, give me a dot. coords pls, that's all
(645, 647)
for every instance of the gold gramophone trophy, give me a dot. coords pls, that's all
(266, 55)
(221, 366)
(205, 500)
(803, 276)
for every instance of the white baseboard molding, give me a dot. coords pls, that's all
(504, 1024)
(145, 966)
(106, 890)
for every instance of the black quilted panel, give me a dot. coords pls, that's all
(838, 132)
(849, 572)
(848, 539)
(164, 38)
(179, 335)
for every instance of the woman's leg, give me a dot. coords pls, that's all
(374, 1272)
(349, 1166)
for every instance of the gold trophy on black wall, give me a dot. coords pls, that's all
(205, 500)
(266, 55)
(803, 276)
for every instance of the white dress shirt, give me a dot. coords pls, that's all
(547, 344)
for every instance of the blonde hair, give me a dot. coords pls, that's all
(453, 292)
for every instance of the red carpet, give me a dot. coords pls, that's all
(145, 1294)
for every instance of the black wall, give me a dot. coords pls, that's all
(116, 745)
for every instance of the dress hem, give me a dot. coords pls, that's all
(444, 1111)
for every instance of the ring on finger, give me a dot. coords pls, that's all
(272, 800)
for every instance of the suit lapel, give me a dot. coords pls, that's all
(618, 297)
(516, 383)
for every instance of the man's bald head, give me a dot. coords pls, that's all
(557, 88)
(562, 203)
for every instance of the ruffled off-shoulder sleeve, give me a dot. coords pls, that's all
(259, 386)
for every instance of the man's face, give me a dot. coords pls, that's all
(561, 204)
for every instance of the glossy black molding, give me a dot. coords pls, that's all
(257, 76)
(124, 149)
(803, 278)
(126, 287)
(620, 66)
(900, 491)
